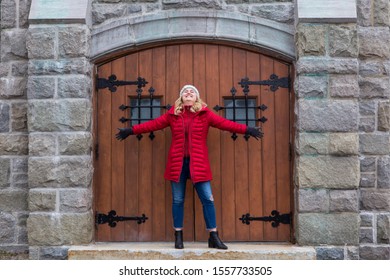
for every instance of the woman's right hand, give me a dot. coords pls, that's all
(124, 133)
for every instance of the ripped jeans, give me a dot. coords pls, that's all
(205, 195)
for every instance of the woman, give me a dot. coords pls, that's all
(189, 121)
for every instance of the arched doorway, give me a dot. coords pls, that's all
(249, 176)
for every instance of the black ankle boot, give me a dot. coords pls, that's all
(215, 242)
(179, 239)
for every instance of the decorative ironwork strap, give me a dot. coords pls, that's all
(112, 218)
(275, 218)
(112, 83)
(274, 82)
(139, 107)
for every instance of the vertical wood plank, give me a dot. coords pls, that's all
(228, 217)
(241, 155)
(117, 151)
(269, 149)
(103, 164)
(145, 156)
(158, 145)
(131, 159)
(282, 111)
(254, 154)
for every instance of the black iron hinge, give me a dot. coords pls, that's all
(111, 218)
(275, 218)
(112, 83)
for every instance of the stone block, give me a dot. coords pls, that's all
(373, 252)
(60, 172)
(366, 235)
(352, 253)
(75, 144)
(366, 219)
(327, 65)
(312, 143)
(19, 181)
(11, 87)
(19, 68)
(312, 86)
(7, 228)
(59, 67)
(384, 172)
(328, 172)
(336, 229)
(311, 40)
(367, 108)
(73, 41)
(13, 144)
(367, 124)
(42, 200)
(283, 12)
(372, 67)
(313, 200)
(13, 200)
(374, 144)
(383, 229)
(375, 200)
(74, 87)
(343, 40)
(63, 115)
(367, 180)
(364, 12)
(344, 86)
(42, 145)
(75, 200)
(367, 164)
(344, 144)
(384, 116)
(19, 165)
(41, 43)
(24, 10)
(5, 171)
(327, 116)
(40, 87)
(184, 4)
(381, 12)
(53, 253)
(59, 229)
(103, 12)
(8, 14)
(372, 87)
(19, 117)
(330, 253)
(13, 45)
(4, 68)
(343, 201)
(373, 42)
(4, 117)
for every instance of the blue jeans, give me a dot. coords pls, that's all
(205, 195)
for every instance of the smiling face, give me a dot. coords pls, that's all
(189, 97)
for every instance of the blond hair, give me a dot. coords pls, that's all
(198, 105)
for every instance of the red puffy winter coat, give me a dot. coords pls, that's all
(197, 132)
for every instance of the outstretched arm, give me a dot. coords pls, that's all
(149, 126)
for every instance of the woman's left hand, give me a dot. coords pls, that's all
(254, 132)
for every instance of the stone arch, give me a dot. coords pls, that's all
(276, 39)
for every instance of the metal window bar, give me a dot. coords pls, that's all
(246, 107)
(139, 108)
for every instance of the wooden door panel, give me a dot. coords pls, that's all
(249, 176)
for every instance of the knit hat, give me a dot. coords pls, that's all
(191, 87)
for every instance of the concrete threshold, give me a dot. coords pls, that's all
(192, 251)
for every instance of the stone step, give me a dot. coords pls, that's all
(192, 251)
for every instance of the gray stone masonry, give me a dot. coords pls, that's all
(13, 128)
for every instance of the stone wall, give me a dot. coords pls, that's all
(342, 171)
(13, 129)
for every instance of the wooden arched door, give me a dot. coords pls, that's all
(249, 176)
